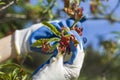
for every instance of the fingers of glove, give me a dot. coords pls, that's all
(42, 32)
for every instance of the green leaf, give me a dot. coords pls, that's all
(10, 65)
(76, 21)
(1, 73)
(1, 3)
(66, 30)
(41, 42)
(53, 39)
(30, 57)
(24, 77)
(52, 28)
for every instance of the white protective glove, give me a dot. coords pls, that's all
(58, 70)
(54, 68)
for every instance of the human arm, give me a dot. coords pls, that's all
(5, 48)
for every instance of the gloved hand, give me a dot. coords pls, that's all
(57, 69)
(23, 39)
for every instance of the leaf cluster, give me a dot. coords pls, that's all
(12, 71)
(61, 41)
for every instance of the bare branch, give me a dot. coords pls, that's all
(50, 6)
(6, 6)
(19, 16)
(114, 9)
(9, 17)
(105, 18)
(108, 16)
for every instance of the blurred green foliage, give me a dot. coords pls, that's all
(16, 16)
(97, 66)
(11, 71)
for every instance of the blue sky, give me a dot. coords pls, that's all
(94, 28)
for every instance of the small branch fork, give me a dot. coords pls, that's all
(109, 15)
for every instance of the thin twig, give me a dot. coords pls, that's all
(109, 15)
(104, 18)
(6, 6)
(50, 6)
(18, 16)
(114, 9)
(8, 17)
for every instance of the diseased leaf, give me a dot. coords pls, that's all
(69, 11)
(67, 35)
(75, 42)
(52, 28)
(66, 3)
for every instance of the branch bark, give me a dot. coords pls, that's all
(9, 17)
(105, 18)
(108, 16)
(6, 6)
(116, 6)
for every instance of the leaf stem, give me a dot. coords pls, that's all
(74, 24)
(77, 20)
